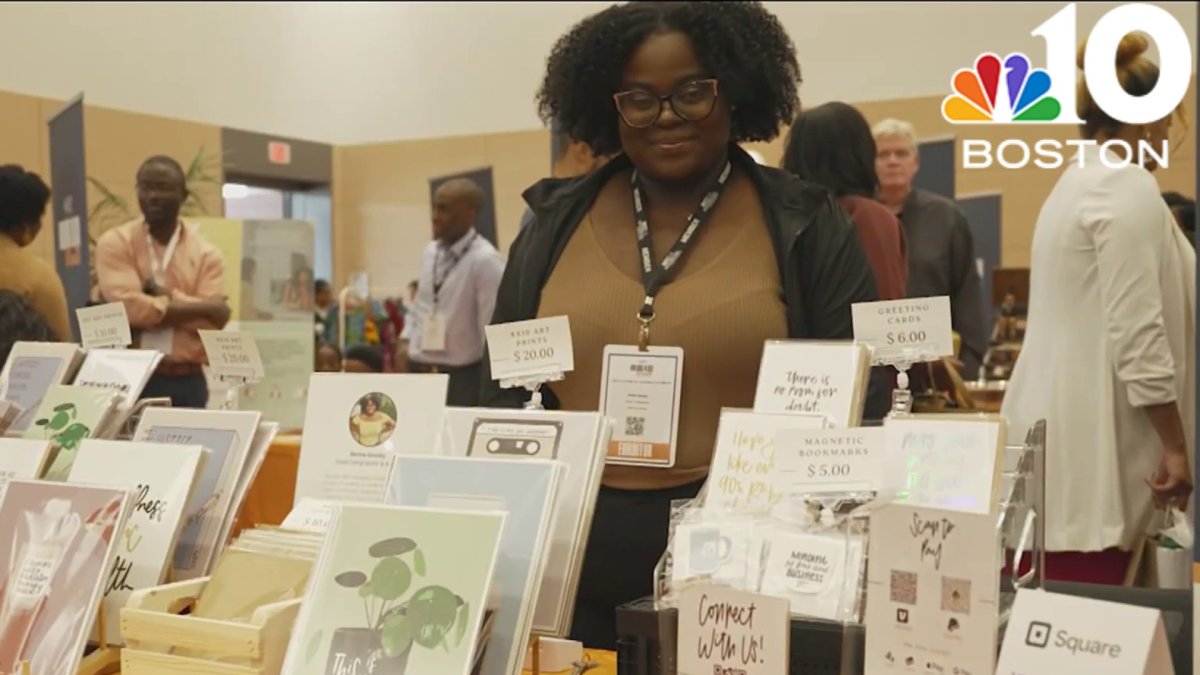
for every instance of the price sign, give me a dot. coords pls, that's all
(916, 329)
(828, 460)
(232, 355)
(104, 326)
(310, 515)
(529, 349)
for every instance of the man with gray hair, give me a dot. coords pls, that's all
(941, 250)
(456, 293)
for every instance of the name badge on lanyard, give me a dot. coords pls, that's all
(433, 329)
(160, 339)
(641, 386)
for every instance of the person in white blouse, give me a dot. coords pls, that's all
(1108, 358)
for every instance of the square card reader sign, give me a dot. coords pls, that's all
(1055, 634)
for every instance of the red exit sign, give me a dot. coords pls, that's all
(279, 152)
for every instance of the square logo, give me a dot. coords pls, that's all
(1038, 634)
(901, 615)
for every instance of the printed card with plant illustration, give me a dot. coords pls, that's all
(397, 591)
(67, 416)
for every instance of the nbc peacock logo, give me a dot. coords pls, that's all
(1001, 91)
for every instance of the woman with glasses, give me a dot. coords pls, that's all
(681, 245)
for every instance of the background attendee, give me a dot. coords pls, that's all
(328, 358)
(23, 198)
(460, 271)
(20, 322)
(571, 159)
(323, 302)
(941, 250)
(363, 359)
(1184, 210)
(171, 280)
(1108, 358)
(298, 292)
(831, 144)
(675, 86)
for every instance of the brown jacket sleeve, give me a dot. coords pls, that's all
(883, 239)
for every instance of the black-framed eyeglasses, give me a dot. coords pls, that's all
(692, 101)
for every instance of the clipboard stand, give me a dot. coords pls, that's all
(532, 384)
(903, 361)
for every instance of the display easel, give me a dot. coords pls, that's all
(903, 361)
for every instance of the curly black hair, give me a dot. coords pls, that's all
(23, 197)
(742, 44)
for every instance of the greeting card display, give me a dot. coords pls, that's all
(160, 477)
(577, 439)
(397, 591)
(255, 457)
(526, 491)
(124, 371)
(823, 378)
(744, 459)
(57, 541)
(350, 434)
(944, 461)
(227, 436)
(31, 369)
(21, 459)
(932, 589)
(66, 417)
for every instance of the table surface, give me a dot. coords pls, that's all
(606, 663)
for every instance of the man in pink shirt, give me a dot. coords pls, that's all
(171, 281)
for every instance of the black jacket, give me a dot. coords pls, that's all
(821, 263)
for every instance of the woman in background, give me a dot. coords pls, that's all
(23, 198)
(832, 145)
(1108, 358)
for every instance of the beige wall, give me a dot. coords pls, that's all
(381, 211)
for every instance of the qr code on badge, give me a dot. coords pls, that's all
(635, 426)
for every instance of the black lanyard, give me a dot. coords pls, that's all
(655, 276)
(455, 258)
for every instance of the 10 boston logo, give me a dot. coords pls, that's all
(1012, 90)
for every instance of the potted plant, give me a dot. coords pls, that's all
(430, 617)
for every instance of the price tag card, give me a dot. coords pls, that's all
(528, 349)
(897, 329)
(811, 461)
(1053, 633)
(232, 355)
(104, 326)
(640, 391)
(310, 515)
(726, 631)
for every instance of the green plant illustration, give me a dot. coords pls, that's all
(62, 428)
(430, 617)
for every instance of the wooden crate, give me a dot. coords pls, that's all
(153, 628)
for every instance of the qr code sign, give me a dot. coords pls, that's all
(635, 426)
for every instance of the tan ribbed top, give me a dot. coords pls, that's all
(724, 303)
